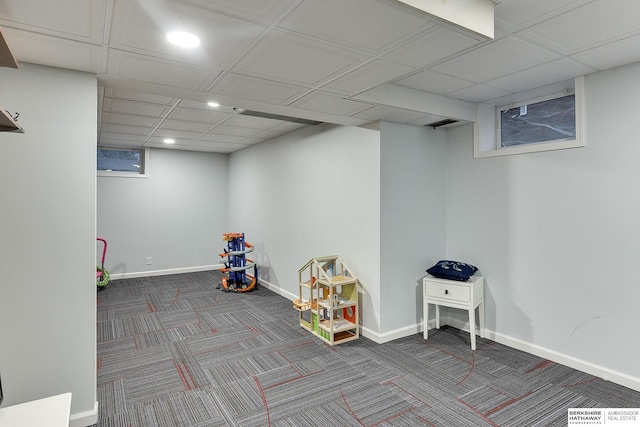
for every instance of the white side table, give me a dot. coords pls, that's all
(51, 411)
(451, 293)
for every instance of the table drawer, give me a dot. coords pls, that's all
(448, 291)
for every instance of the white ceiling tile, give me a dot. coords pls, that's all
(430, 81)
(54, 51)
(195, 115)
(142, 26)
(432, 46)
(367, 76)
(252, 141)
(586, 27)
(625, 51)
(502, 57)
(72, 19)
(515, 14)
(216, 147)
(120, 144)
(555, 71)
(267, 134)
(229, 148)
(176, 134)
(245, 87)
(156, 70)
(243, 144)
(192, 147)
(368, 25)
(204, 149)
(178, 145)
(195, 105)
(135, 108)
(138, 96)
(220, 138)
(130, 120)
(262, 12)
(479, 93)
(329, 103)
(234, 130)
(184, 125)
(287, 57)
(210, 144)
(124, 129)
(114, 137)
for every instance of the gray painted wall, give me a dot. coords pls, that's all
(556, 233)
(47, 237)
(309, 193)
(176, 216)
(553, 233)
(412, 219)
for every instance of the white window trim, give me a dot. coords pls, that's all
(121, 174)
(489, 138)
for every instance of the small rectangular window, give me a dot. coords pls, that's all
(130, 162)
(542, 121)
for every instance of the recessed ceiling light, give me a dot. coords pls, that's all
(213, 104)
(183, 39)
(169, 141)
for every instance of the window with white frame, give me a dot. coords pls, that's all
(540, 123)
(544, 120)
(123, 162)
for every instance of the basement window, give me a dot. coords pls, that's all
(123, 162)
(539, 121)
(544, 123)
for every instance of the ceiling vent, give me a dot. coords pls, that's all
(442, 123)
(276, 117)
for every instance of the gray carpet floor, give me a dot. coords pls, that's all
(176, 351)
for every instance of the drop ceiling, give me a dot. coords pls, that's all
(329, 61)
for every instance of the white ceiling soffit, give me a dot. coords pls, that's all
(474, 15)
(412, 99)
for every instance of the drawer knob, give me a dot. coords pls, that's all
(446, 291)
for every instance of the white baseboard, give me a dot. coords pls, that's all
(563, 359)
(84, 419)
(552, 355)
(381, 338)
(150, 273)
(278, 290)
(570, 361)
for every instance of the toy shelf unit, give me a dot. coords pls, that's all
(328, 303)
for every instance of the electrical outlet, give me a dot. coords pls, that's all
(148, 260)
